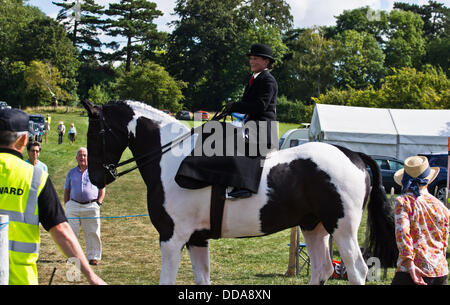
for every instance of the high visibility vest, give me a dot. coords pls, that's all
(20, 186)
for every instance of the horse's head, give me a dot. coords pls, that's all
(107, 138)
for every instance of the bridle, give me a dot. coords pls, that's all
(152, 155)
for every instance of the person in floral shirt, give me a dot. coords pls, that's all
(421, 227)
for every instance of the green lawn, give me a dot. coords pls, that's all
(131, 245)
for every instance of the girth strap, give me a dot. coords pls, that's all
(216, 213)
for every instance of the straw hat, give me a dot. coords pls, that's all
(415, 166)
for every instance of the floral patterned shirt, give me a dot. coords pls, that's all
(421, 231)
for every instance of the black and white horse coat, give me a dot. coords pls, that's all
(318, 186)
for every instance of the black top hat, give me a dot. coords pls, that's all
(259, 49)
(13, 120)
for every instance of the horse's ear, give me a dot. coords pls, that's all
(91, 108)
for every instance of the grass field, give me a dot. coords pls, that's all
(131, 245)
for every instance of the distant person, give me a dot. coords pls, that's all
(46, 130)
(34, 201)
(34, 150)
(421, 227)
(72, 133)
(83, 199)
(61, 131)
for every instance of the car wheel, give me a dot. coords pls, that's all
(441, 193)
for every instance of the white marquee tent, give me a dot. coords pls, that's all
(396, 133)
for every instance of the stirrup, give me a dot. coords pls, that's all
(238, 193)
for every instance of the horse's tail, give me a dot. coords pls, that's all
(380, 220)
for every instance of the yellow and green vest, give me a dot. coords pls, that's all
(20, 186)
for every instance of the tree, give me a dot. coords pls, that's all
(406, 44)
(208, 45)
(408, 88)
(436, 29)
(360, 60)
(273, 12)
(435, 17)
(314, 61)
(82, 23)
(150, 83)
(27, 34)
(12, 83)
(438, 53)
(92, 73)
(98, 95)
(362, 19)
(132, 19)
(44, 82)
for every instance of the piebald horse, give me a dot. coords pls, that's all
(320, 187)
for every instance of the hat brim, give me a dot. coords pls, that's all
(398, 176)
(262, 55)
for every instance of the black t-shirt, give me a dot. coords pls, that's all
(51, 212)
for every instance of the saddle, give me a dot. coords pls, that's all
(221, 156)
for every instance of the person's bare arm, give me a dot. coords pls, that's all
(66, 195)
(64, 237)
(101, 194)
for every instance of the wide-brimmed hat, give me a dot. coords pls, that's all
(416, 166)
(259, 49)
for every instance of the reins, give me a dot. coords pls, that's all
(155, 154)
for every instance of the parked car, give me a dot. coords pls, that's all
(437, 187)
(184, 115)
(39, 125)
(293, 137)
(31, 131)
(388, 167)
(201, 115)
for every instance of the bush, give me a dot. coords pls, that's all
(98, 95)
(151, 83)
(290, 112)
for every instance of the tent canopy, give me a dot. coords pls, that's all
(396, 133)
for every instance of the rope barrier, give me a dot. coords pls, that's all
(104, 217)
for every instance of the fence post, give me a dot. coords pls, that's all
(4, 250)
(447, 202)
(292, 252)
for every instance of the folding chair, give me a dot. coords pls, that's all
(302, 259)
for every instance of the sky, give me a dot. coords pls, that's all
(306, 13)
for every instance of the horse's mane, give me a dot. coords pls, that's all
(145, 110)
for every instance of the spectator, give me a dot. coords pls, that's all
(83, 199)
(33, 202)
(46, 130)
(61, 132)
(72, 133)
(421, 227)
(34, 150)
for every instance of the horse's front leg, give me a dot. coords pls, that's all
(170, 260)
(200, 263)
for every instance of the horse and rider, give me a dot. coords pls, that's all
(320, 187)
